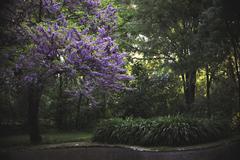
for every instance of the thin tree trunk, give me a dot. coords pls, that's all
(181, 109)
(183, 83)
(190, 87)
(78, 111)
(34, 96)
(60, 112)
(208, 84)
(230, 71)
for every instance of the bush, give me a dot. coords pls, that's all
(162, 131)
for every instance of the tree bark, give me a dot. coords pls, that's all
(77, 120)
(208, 85)
(34, 96)
(190, 86)
(60, 111)
(230, 71)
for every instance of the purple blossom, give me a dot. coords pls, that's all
(62, 20)
(56, 26)
(83, 20)
(51, 6)
(102, 32)
(90, 52)
(31, 78)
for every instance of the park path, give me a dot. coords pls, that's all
(225, 150)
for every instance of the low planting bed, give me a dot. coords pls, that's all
(162, 131)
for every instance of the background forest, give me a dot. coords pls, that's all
(183, 55)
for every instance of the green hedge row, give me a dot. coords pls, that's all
(163, 131)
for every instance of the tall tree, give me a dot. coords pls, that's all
(220, 29)
(170, 27)
(83, 48)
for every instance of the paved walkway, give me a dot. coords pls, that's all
(223, 150)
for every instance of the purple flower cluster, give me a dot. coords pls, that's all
(51, 6)
(90, 53)
(85, 4)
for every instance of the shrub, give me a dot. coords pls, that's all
(162, 131)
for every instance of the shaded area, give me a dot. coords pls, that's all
(47, 138)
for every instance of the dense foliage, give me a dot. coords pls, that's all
(85, 49)
(63, 63)
(162, 131)
(82, 49)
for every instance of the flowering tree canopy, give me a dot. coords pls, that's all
(79, 44)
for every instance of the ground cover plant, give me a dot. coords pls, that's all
(162, 131)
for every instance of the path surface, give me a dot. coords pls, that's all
(225, 150)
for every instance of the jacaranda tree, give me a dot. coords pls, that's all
(75, 38)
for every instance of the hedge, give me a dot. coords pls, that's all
(162, 131)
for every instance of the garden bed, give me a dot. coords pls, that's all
(161, 131)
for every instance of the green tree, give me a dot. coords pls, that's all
(170, 27)
(220, 32)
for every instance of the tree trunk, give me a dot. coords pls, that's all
(208, 85)
(190, 86)
(231, 71)
(77, 120)
(34, 96)
(60, 111)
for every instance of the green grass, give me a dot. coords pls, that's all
(47, 138)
